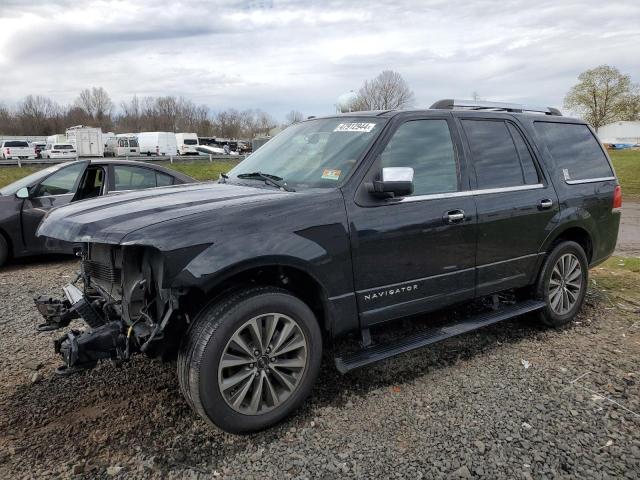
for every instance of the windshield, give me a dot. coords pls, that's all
(315, 153)
(29, 180)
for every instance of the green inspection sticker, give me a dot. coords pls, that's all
(329, 174)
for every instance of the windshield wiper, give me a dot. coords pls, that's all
(268, 178)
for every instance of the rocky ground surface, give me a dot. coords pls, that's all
(512, 401)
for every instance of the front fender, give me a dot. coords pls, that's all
(325, 258)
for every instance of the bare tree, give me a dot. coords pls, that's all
(294, 116)
(35, 113)
(97, 104)
(385, 92)
(601, 95)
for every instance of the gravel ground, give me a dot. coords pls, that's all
(512, 401)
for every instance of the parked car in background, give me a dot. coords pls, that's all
(209, 150)
(335, 226)
(122, 145)
(187, 143)
(38, 147)
(17, 149)
(59, 150)
(157, 143)
(24, 203)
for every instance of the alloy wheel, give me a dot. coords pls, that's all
(262, 364)
(565, 284)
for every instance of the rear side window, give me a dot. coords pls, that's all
(501, 157)
(575, 150)
(163, 180)
(133, 178)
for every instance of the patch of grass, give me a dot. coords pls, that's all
(201, 169)
(619, 279)
(11, 174)
(627, 165)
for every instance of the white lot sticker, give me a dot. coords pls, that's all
(354, 127)
(330, 174)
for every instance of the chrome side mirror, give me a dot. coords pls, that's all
(394, 182)
(23, 193)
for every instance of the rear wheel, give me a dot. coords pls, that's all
(563, 283)
(251, 359)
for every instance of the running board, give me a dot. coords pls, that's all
(379, 352)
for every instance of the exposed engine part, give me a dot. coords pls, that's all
(82, 350)
(81, 304)
(57, 313)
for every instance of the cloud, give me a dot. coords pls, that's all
(281, 55)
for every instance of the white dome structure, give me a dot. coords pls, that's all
(345, 102)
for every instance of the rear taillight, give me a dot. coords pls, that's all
(617, 197)
(8, 151)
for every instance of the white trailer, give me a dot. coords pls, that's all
(87, 140)
(157, 143)
(187, 143)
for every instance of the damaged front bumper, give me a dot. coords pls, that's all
(81, 350)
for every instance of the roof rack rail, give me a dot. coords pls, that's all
(452, 104)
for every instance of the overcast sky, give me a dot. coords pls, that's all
(279, 55)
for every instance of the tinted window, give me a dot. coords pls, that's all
(133, 142)
(426, 146)
(163, 179)
(15, 143)
(190, 141)
(132, 178)
(495, 158)
(61, 182)
(527, 164)
(575, 150)
(63, 146)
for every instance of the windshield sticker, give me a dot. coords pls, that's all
(329, 174)
(354, 127)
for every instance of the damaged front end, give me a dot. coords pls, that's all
(118, 293)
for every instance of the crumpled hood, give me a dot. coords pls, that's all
(111, 218)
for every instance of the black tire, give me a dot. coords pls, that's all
(549, 315)
(210, 334)
(4, 250)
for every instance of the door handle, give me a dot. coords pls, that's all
(454, 216)
(545, 204)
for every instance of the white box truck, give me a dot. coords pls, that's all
(157, 143)
(187, 143)
(87, 140)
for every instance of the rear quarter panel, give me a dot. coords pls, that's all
(582, 205)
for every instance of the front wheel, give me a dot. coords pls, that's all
(563, 283)
(250, 360)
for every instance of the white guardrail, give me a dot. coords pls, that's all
(142, 158)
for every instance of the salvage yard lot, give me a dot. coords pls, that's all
(511, 401)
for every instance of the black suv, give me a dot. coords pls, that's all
(337, 225)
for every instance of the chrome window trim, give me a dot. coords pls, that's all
(469, 193)
(589, 180)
